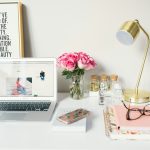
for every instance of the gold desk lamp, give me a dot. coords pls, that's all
(126, 35)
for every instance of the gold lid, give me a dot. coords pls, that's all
(103, 77)
(114, 77)
(94, 77)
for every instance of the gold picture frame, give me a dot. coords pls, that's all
(11, 30)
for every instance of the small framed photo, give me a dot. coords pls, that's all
(11, 30)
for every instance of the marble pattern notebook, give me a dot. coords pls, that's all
(79, 126)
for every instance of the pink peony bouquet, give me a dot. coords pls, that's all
(75, 63)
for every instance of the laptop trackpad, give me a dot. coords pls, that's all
(12, 116)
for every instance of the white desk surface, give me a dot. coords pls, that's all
(39, 135)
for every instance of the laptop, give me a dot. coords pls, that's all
(28, 89)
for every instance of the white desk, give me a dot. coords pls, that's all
(39, 136)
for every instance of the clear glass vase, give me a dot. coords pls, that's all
(77, 87)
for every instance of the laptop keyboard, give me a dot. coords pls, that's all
(24, 106)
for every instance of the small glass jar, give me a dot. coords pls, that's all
(104, 87)
(94, 83)
(113, 81)
(104, 83)
(115, 89)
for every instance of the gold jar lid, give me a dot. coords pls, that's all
(103, 77)
(94, 77)
(114, 77)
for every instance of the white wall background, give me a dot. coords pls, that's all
(52, 27)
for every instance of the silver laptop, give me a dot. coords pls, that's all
(28, 89)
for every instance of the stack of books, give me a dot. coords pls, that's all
(118, 127)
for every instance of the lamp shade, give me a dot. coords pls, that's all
(128, 32)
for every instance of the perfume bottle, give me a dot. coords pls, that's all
(104, 87)
(104, 83)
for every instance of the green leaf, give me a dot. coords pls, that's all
(68, 76)
(65, 72)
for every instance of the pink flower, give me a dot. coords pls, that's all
(71, 61)
(85, 61)
(61, 60)
(68, 61)
(91, 64)
(70, 66)
(73, 57)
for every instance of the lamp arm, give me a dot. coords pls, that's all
(144, 59)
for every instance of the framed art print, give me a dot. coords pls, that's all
(11, 30)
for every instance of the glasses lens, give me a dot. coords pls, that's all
(147, 110)
(134, 113)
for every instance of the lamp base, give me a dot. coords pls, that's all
(143, 96)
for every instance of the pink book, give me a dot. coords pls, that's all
(143, 123)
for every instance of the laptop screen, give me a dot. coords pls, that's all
(27, 78)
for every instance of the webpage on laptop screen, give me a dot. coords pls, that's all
(31, 79)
